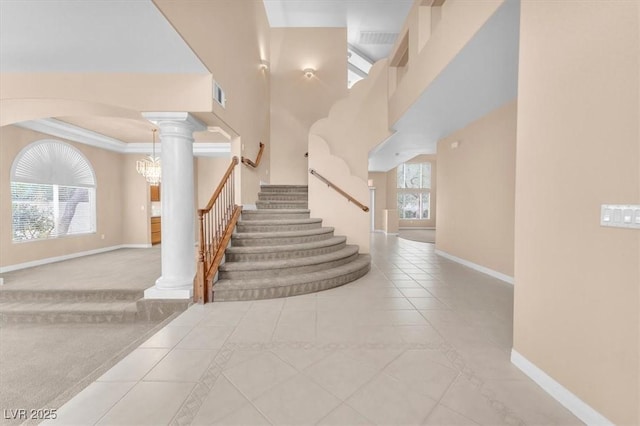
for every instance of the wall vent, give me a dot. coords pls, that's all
(218, 94)
(377, 37)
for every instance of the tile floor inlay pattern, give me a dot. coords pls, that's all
(419, 340)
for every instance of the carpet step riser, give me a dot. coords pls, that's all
(284, 205)
(283, 189)
(278, 228)
(265, 215)
(67, 317)
(268, 273)
(282, 196)
(287, 291)
(72, 296)
(253, 242)
(281, 255)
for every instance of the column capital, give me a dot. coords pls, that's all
(175, 118)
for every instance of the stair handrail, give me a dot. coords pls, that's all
(253, 164)
(339, 190)
(216, 223)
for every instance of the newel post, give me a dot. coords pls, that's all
(199, 281)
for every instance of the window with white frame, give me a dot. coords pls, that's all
(414, 191)
(53, 192)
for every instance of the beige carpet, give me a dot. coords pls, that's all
(44, 365)
(419, 235)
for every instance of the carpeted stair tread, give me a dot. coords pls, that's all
(276, 211)
(298, 233)
(290, 285)
(288, 247)
(265, 222)
(269, 265)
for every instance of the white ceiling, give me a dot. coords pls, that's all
(91, 36)
(386, 16)
(481, 78)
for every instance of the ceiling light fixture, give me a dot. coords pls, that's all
(149, 167)
(264, 65)
(309, 72)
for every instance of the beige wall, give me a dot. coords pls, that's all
(297, 101)
(577, 283)
(476, 187)
(209, 171)
(136, 209)
(231, 37)
(118, 200)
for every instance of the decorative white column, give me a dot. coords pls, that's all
(178, 201)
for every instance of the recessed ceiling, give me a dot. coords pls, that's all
(371, 24)
(91, 36)
(481, 78)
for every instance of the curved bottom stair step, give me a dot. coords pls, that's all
(281, 267)
(291, 285)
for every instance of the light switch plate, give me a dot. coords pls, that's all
(620, 216)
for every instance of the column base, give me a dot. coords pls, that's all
(156, 292)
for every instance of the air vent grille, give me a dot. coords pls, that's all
(377, 37)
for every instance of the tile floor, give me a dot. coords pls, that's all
(420, 340)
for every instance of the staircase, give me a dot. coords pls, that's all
(279, 251)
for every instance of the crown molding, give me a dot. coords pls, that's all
(60, 129)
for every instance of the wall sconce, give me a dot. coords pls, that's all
(264, 65)
(309, 72)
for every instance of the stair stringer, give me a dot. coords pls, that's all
(335, 210)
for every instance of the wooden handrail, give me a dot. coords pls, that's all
(255, 164)
(216, 223)
(339, 190)
(216, 193)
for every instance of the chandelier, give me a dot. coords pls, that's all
(149, 167)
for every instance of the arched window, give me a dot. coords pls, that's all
(53, 192)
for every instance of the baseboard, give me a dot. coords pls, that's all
(422, 228)
(379, 231)
(135, 246)
(390, 233)
(54, 259)
(495, 274)
(570, 401)
(249, 207)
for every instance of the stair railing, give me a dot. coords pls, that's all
(216, 221)
(339, 190)
(255, 164)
